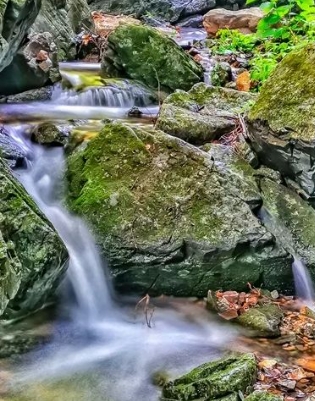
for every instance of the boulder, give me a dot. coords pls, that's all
(35, 65)
(145, 54)
(170, 218)
(262, 321)
(32, 255)
(63, 19)
(169, 10)
(51, 134)
(245, 21)
(282, 121)
(16, 17)
(32, 95)
(203, 114)
(213, 380)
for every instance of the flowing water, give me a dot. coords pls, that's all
(100, 349)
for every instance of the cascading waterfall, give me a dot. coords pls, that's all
(99, 337)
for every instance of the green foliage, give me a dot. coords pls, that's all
(285, 27)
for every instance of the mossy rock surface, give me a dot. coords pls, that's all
(51, 134)
(169, 218)
(214, 380)
(282, 122)
(202, 114)
(32, 256)
(263, 396)
(262, 321)
(146, 54)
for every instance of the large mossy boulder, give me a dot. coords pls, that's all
(63, 19)
(148, 55)
(16, 17)
(213, 380)
(282, 122)
(202, 114)
(170, 218)
(32, 256)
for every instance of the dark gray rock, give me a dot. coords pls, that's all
(169, 10)
(34, 66)
(63, 20)
(191, 22)
(10, 151)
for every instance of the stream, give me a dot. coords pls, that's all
(100, 348)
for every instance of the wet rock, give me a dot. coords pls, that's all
(12, 153)
(63, 21)
(245, 21)
(33, 95)
(262, 321)
(145, 54)
(281, 123)
(290, 219)
(51, 134)
(168, 10)
(169, 218)
(32, 255)
(202, 114)
(263, 396)
(221, 74)
(214, 379)
(34, 66)
(16, 17)
(195, 21)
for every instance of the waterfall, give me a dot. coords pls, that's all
(96, 335)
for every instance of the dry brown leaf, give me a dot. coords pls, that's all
(243, 82)
(307, 363)
(267, 363)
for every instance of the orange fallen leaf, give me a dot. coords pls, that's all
(229, 314)
(243, 82)
(267, 363)
(307, 363)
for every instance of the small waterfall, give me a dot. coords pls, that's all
(101, 337)
(303, 283)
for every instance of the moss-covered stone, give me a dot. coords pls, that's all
(263, 396)
(145, 54)
(282, 122)
(214, 379)
(51, 134)
(169, 218)
(262, 321)
(202, 114)
(32, 257)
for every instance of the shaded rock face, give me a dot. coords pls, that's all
(245, 21)
(213, 380)
(169, 10)
(13, 154)
(145, 54)
(290, 219)
(32, 257)
(202, 114)
(170, 218)
(34, 66)
(63, 20)
(16, 17)
(281, 122)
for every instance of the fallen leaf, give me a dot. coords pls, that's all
(267, 363)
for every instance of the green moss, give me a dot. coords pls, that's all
(263, 320)
(145, 54)
(263, 396)
(214, 379)
(286, 100)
